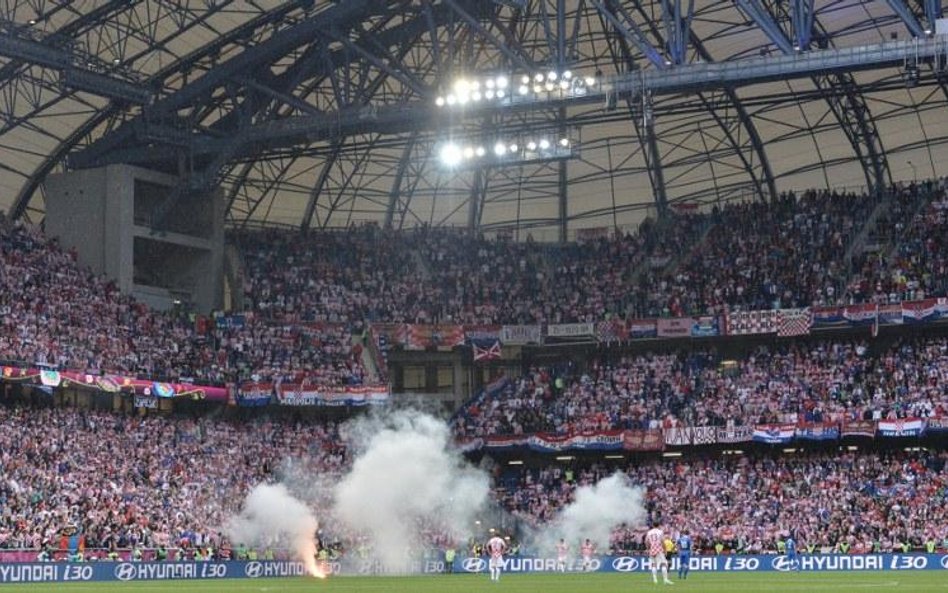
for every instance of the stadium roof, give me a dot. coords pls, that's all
(173, 84)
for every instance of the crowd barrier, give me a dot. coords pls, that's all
(57, 572)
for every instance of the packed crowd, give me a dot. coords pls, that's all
(788, 253)
(307, 295)
(857, 502)
(125, 482)
(794, 383)
(57, 313)
(767, 256)
(913, 261)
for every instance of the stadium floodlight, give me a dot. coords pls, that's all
(533, 87)
(499, 151)
(450, 154)
(469, 90)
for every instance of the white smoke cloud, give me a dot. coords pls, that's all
(406, 477)
(272, 516)
(594, 512)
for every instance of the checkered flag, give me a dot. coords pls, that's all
(794, 322)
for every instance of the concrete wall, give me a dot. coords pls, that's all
(93, 212)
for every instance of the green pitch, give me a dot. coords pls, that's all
(915, 582)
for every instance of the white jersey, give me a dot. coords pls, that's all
(496, 547)
(562, 551)
(654, 541)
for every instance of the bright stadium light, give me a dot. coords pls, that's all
(450, 154)
(501, 152)
(467, 90)
(531, 87)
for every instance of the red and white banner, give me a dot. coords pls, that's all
(795, 322)
(311, 395)
(907, 427)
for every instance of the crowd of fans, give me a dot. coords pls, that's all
(794, 383)
(54, 312)
(767, 256)
(307, 295)
(854, 501)
(910, 262)
(788, 253)
(127, 483)
(154, 481)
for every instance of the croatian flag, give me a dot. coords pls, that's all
(919, 311)
(774, 434)
(907, 427)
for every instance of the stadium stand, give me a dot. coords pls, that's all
(795, 383)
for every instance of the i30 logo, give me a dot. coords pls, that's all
(253, 570)
(781, 563)
(473, 564)
(625, 564)
(125, 571)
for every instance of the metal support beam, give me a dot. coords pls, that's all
(755, 10)
(644, 128)
(905, 13)
(478, 191)
(677, 28)
(803, 16)
(933, 12)
(405, 117)
(394, 195)
(318, 187)
(563, 195)
(851, 111)
(515, 58)
(73, 76)
(631, 31)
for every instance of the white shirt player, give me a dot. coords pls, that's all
(496, 546)
(656, 551)
(562, 552)
(654, 541)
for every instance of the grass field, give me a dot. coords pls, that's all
(915, 582)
